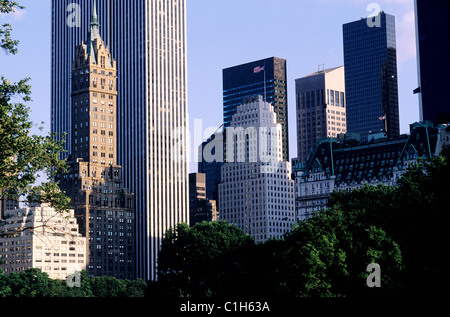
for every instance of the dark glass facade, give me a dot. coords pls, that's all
(370, 60)
(212, 168)
(240, 82)
(433, 51)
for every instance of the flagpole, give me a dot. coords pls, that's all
(265, 94)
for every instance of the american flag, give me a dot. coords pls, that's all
(258, 69)
(382, 117)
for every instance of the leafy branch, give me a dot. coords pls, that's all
(6, 42)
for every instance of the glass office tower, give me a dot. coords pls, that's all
(370, 60)
(148, 41)
(433, 55)
(266, 78)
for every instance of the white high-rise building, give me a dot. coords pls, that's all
(147, 39)
(257, 193)
(52, 243)
(321, 109)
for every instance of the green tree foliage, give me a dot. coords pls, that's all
(34, 283)
(8, 45)
(24, 157)
(401, 228)
(327, 255)
(190, 257)
(103, 286)
(412, 214)
(331, 252)
(31, 283)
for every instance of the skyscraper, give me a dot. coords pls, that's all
(201, 208)
(433, 55)
(211, 166)
(256, 193)
(320, 109)
(103, 208)
(265, 77)
(370, 60)
(148, 42)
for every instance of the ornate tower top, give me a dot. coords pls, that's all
(94, 52)
(94, 101)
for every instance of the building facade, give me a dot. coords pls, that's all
(103, 207)
(268, 78)
(336, 165)
(147, 39)
(54, 245)
(321, 113)
(433, 51)
(256, 193)
(371, 83)
(201, 208)
(7, 204)
(210, 161)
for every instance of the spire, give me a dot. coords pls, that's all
(94, 14)
(94, 32)
(94, 23)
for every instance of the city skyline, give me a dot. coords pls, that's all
(205, 99)
(278, 148)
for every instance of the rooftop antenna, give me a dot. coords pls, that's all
(318, 68)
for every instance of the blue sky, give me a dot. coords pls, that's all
(224, 33)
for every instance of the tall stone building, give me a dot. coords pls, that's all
(257, 193)
(148, 41)
(320, 109)
(103, 207)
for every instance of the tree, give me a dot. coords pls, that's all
(6, 42)
(5, 289)
(105, 286)
(191, 259)
(30, 283)
(23, 156)
(327, 255)
(413, 215)
(423, 200)
(136, 288)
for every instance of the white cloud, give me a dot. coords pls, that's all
(17, 14)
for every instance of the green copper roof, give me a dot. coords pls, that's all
(94, 33)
